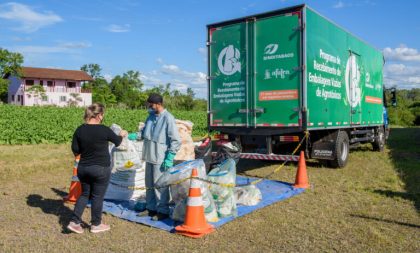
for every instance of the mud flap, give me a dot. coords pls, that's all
(324, 148)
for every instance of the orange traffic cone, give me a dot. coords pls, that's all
(75, 186)
(301, 175)
(195, 224)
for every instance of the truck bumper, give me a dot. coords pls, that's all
(269, 157)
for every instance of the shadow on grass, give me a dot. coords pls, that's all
(52, 206)
(385, 220)
(404, 144)
(394, 194)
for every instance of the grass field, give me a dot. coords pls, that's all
(372, 205)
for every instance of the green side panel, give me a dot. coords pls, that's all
(277, 80)
(344, 77)
(228, 75)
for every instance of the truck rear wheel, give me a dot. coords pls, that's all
(341, 150)
(379, 143)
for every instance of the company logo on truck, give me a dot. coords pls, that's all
(270, 53)
(353, 81)
(271, 49)
(229, 60)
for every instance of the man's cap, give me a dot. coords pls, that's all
(155, 99)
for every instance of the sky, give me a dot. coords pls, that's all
(166, 40)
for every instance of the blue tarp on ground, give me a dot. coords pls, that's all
(272, 191)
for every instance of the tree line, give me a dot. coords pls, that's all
(128, 91)
(406, 112)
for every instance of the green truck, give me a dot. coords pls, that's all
(273, 77)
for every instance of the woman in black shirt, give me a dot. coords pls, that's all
(91, 141)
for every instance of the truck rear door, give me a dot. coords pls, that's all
(277, 71)
(228, 75)
(255, 72)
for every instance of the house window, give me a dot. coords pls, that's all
(18, 98)
(63, 98)
(71, 84)
(13, 98)
(29, 82)
(45, 98)
(41, 83)
(50, 83)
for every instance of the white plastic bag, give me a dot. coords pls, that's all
(224, 173)
(248, 195)
(117, 129)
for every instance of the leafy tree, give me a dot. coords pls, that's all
(93, 69)
(74, 99)
(38, 92)
(200, 105)
(415, 110)
(133, 78)
(101, 91)
(407, 112)
(127, 89)
(10, 64)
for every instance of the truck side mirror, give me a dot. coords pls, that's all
(394, 97)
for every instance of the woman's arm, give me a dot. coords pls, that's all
(75, 147)
(116, 139)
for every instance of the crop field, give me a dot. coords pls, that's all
(371, 205)
(54, 125)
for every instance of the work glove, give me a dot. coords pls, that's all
(168, 162)
(132, 136)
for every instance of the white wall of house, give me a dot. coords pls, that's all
(58, 94)
(58, 98)
(15, 93)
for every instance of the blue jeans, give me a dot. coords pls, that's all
(94, 180)
(156, 199)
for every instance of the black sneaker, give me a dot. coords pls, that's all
(147, 213)
(160, 216)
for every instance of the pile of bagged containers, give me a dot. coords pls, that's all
(219, 194)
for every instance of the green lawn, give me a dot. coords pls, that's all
(372, 205)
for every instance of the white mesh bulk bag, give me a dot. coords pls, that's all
(179, 191)
(224, 198)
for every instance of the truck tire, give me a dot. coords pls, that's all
(379, 143)
(341, 150)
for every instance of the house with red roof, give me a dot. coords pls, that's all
(46, 86)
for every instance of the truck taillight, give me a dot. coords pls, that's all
(289, 138)
(221, 136)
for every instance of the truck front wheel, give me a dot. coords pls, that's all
(341, 150)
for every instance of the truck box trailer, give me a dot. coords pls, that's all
(275, 76)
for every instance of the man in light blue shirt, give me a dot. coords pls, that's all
(161, 141)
